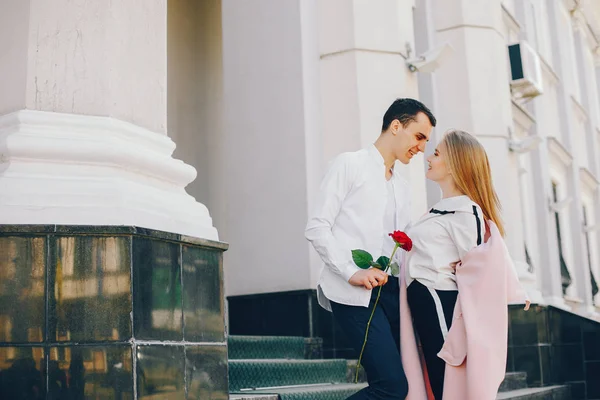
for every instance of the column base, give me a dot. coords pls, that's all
(86, 170)
(117, 312)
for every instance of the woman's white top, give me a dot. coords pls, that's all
(440, 239)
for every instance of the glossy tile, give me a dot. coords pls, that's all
(22, 289)
(22, 373)
(526, 359)
(160, 372)
(157, 290)
(578, 390)
(206, 372)
(592, 378)
(280, 314)
(510, 362)
(90, 372)
(568, 362)
(564, 327)
(26, 229)
(528, 327)
(202, 295)
(90, 300)
(547, 373)
(591, 345)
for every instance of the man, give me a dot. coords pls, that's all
(361, 200)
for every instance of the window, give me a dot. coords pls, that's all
(564, 271)
(589, 252)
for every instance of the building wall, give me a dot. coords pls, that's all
(314, 82)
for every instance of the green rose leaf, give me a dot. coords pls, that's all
(362, 259)
(394, 268)
(383, 261)
(375, 265)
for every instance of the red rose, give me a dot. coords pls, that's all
(402, 239)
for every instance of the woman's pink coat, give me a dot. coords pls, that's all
(476, 345)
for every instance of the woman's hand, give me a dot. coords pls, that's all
(527, 304)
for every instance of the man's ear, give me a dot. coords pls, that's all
(395, 125)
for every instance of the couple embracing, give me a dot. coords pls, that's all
(454, 283)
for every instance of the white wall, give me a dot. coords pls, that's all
(14, 24)
(262, 166)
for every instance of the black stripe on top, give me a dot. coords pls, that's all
(434, 211)
(478, 225)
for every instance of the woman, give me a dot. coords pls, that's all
(442, 237)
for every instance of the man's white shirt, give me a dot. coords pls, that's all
(349, 214)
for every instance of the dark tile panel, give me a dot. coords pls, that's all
(95, 230)
(90, 300)
(160, 372)
(528, 327)
(591, 345)
(527, 359)
(510, 360)
(22, 289)
(110, 230)
(22, 373)
(577, 390)
(564, 327)
(204, 242)
(26, 229)
(90, 372)
(547, 373)
(203, 307)
(206, 372)
(157, 305)
(279, 314)
(592, 378)
(154, 234)
(567, 362)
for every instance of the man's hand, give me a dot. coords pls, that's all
(369, 278)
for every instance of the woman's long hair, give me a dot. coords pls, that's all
(470, 168)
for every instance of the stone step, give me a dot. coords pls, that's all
(257, 374)
(270, 347)
(342, 391)
(540, 393)
(513, 381)
(310, 392)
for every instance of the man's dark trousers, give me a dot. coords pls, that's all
(381, 358)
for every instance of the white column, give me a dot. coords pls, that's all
(473, 93)
(563, 63)
(547, 270)
(362, 44)
(83, 119)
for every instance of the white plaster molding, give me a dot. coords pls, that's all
(510, 20)
(86, 170)
(558, 152)
(580, 111)
(588, 180)
(522, 118)
(548, 71)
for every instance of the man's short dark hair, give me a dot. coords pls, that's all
(405, 111)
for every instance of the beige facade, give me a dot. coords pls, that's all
(259, 95)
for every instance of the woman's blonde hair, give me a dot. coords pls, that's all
(470, 168)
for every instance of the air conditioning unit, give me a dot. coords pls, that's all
(526, 71)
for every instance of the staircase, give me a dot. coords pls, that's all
(285, 368)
